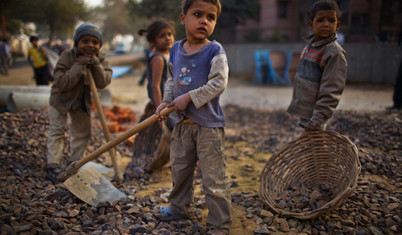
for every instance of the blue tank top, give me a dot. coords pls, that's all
(149, 75)
(190, 71)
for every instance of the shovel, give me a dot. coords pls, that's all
(118, 177)
(92, 187)
(88, 184)
(74, 166)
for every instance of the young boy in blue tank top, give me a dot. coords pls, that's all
(198, 74)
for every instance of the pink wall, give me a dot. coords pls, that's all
(270, 23)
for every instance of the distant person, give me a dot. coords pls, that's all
(71, 95)
(37, 58)
(153, 142)
(64, 46)
(59, 47)
(198, 75)
(397, 96)
(321, 74)
(5, 56)
(56, 46)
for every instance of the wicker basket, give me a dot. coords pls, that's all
(319, 157)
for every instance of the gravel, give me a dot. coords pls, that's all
(31, 204)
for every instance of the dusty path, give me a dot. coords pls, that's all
(355, 97)
(364, 97)
(125, 91)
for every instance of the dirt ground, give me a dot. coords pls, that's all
(126, 92)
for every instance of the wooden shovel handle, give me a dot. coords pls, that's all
(73, 167)
(118, 177)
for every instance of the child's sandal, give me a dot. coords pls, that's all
(166, 214)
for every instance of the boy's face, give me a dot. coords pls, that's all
(200, 20)
(35, 42)
(88, 45)
(324, 24)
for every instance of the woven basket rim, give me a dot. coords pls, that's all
(338, 199)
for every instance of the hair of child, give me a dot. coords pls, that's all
(33, 38)
(186, 4)
(324, 5)
(155, 27)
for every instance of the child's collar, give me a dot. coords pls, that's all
(185, 39)
(310, 40)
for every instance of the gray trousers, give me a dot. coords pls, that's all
(191, 143)
(79, 136)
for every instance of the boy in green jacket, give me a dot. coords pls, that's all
(71, 94)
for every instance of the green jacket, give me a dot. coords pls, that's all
(319, 80)
(70, 86)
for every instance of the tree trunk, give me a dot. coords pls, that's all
(3, 21)
(51, 35)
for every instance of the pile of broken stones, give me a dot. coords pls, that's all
(31, 204)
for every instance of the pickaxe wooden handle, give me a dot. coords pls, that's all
(118, 176)
(73, 167)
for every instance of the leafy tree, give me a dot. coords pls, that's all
(145, 10)
(168, 9)
(52, 16)
(11, 24)
(118, 19)
(58, 16)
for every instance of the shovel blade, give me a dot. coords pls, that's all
(105, 171)
(92, 187)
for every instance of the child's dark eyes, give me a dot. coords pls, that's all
(165, 35)
(332, 20)
(211, 17)
(94, 42)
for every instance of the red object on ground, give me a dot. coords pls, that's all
(113, 126)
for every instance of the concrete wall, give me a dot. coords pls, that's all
(367, 62)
